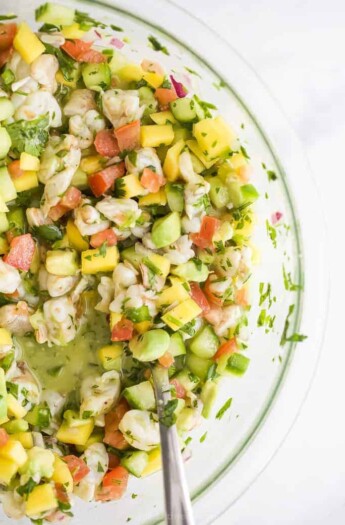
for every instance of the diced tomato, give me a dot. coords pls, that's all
(106, 236)
(71, 199)
(179, 389)
(241, 296)
(21, 252)
(74, 48)
(166, 360)
(113, 436)
(114, 484)
(106, 143)
(5, 56)
(14, 169)
(209, 226)
(123, 330)
(211, 296)
(3, 437)
(128, 136)
(153, 67)
(77, 467)
(165, 96)
(102, 181)
(114, 461)
(199, 297)
(61, 493)
(7, 34)
(227, 348)
(92, 57)
(151, 180)
(56, 212)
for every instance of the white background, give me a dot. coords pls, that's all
(298, 49)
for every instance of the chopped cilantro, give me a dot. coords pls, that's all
(168, 416)
(157, 46)
(294, 338)
(272, 233)
(224, 408)
(289, 285)
(203, 437)
(29, 136)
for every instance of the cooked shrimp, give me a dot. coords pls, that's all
(9, 278)
(38, 104)
(144, 157)
(106, 291)
(99, 393)
(35, 217)
(43, 69)
(58, 285)
(123, 212)
(121, 107)
(88, 220)
(15, 317)
(84, 127)
(81, 101)
(180, 251)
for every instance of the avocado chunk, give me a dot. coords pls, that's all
(166, 230)
(193, 270)
(151, 345)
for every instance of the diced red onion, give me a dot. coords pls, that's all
(179, 87)
(276, 217)
(98, 34)
(117, 43)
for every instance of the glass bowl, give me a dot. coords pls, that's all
(267, 398)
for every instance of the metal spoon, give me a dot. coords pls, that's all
(178, 506)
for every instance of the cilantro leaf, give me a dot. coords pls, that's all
(30, 136)
(157, 46)
(168, 416)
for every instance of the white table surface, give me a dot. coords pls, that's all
(298, 49)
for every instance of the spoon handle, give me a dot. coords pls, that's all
(177, 501)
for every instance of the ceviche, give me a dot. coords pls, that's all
(125, 223)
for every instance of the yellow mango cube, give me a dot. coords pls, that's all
(163, 117)
(158, 263)
(75, 238)
(143, 326)
(214, 137)
(61, 80)
(72, 31)
(156, 135)
(131, 187)
(91, 164)
(182, 314)
(14, 451)
(25, 438)
(194, 147)
(111, 356)
(27, 181)
(96, 437)
(94, 261)
(171, 163)
(131, 73)
(5, 337)
(114, 319)
(175, 293)
(75, 435)
(8, 469)
(14, 408)
(28, 162)
(41, 499)
(154, 463)
(158, 199)
(154, 79)
(62, 474)
(27, 43)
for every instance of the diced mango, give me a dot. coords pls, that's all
(14, 451)
(131, 187)
(214, 137)
(131, 73)
(159, 264)
(5, 337)
(25, 438)
(27, 43)
(26, 182)
(14, 408)
(163, 117)
(154, 463)
(75, 238)
(36, 261)
(96, 437)
(75, 435)
(92, 163)
(152, 199)
(143, 327)
(29, 162)
(61, 80)
(4, 246)
(8, 469)
(154, 79)
(155, 135)
(62, 474)
(182, 314)
(171, 164)
(194, 147)
(41, 499)
(175, 293)
(94, 261)
(72, 31)
(111, 356)
(237, 161)
(114, 319)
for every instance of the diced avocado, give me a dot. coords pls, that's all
(175, 196)
(40, 461)
(94, 261)
(130, 255)
(141, 396)
(191, 271)
(237, 364)
(80, 180)
(219, 193)
(111, 356)
(208, 396)
(198, 365)
(16, 425)
(62, 262)
(27, 43)
(188, 380)
(166, 230)
(183, 109)
(171, 163)
(150, 346)
(205, 343)
(7, 189)
(41, 499)
(96, 76)
(182, 314)
(155, 135)
(214, 137)
(56, 14)
(177, 346)
(6, 109)
(135, 462)
(3, 397)
(5, 142)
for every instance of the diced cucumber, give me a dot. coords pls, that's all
(177, 346)
(6, 108)
(135, 462)
(147, 98)
(62, 262)
(188, 380)
(183, 109)
(141, 396)
(130, 255)
(249, 193)
(166, 230)
(96, 76)
(200, 113)
(17, 221)
(208, 396)
(4, 224)
(56, 14)
(205, 343)
(175, 196)
(7, 190)
(198, 365)
(16, 425)
(237, 363)
(219, 193)
(5, 142)
(191, 271)
(150, 346)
